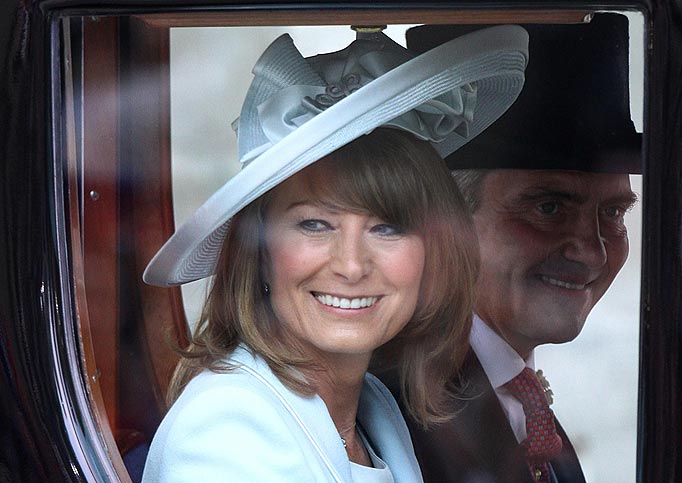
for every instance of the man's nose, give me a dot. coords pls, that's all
(585, 243)
(351, 257)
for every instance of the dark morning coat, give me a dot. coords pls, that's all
(478, 445)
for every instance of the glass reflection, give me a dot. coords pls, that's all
(209, 77)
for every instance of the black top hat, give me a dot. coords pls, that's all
(574, 110)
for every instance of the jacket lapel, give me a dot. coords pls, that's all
(566, 466)
(477, 444)
(490, 439)
(380, 417)
(310, 412)
(498, 450)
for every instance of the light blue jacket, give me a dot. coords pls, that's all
(246, 426)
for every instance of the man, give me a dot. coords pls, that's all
(552, 241)
(551, 244)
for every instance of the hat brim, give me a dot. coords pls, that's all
(493, 58)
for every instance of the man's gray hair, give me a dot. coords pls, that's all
(470, 183)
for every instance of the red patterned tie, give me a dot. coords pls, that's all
(543, 443)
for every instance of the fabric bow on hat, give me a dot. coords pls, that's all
(289, 90)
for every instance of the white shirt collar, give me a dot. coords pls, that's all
(499, 361)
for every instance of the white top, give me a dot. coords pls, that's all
(501, 364)
(379, 473)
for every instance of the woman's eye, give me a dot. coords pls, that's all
(314, 225)
(549, 208)
(387, 229)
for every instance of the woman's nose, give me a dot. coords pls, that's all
(351, 258)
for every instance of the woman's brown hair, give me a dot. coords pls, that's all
(401, 180)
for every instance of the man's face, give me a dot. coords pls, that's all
(551, 244)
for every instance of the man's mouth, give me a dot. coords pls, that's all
(562, 283)
(345, 303)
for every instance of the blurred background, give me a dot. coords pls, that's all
(594, 378)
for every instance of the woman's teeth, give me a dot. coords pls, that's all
(344, 303)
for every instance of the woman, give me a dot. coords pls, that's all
(366, 253)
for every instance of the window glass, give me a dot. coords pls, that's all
(150, 102)
(601, 363)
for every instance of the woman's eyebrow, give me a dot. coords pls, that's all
(313, 203)
(296, 204)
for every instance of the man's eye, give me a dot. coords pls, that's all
(314, 225)
(387, 229)
(549, 208)
(613, 211)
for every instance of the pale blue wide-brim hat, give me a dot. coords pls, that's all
(298, 110)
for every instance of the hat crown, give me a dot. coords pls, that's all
(279, 66)
(289, 90)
